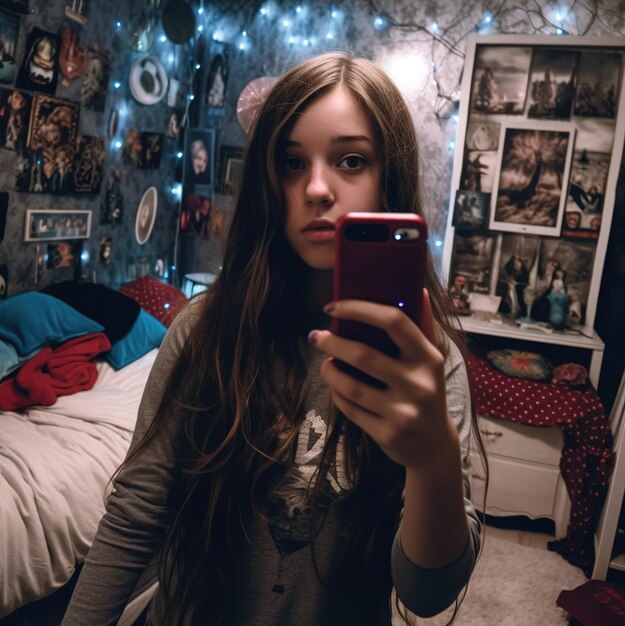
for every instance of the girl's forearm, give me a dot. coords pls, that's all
(434, 529)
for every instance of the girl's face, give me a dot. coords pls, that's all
(331, 167)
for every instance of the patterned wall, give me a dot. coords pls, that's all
(423, 52)
(128, 257)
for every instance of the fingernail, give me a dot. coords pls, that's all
(328, 308)
(313, 335)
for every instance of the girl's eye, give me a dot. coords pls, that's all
(352, 162)
(293, 163)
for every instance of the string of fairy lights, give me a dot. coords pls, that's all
(308, 28)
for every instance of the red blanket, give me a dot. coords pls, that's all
(587, 455)
(54, 371)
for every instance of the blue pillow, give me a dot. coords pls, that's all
(32, 320)
(146, 334)
(10, 360)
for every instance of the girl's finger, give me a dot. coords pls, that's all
(412, 341)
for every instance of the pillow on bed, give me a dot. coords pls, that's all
(10, 360)
(160, 300)
(521, 364)
(146, 334)
(32, 320)
(114, 310)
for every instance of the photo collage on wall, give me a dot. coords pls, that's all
(198, 142)
(527, 214)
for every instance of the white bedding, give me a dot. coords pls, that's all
(55, 463)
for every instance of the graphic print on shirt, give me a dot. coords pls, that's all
(289, 508)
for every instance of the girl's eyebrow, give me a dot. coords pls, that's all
(338, 139)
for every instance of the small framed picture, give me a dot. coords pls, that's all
(55, 225)
(199, 150)
(64, 254)
(500, 79)
(229, 168)
(471, 210)
(529, 192)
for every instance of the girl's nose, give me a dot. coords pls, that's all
(318, 186)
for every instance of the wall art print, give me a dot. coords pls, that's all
(95, 77)
(552, 84)
(142, 149)
(199, 160)
(63, 255)
(500, 79)
(530, 186)
(9, 35)
(72, 57)
(40, 66)
(194, 214)
(50, 225)
(14, 118)
(229, 169)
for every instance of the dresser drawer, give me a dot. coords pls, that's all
(515, 488)
(538, 444)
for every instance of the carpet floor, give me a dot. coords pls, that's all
(513, 585)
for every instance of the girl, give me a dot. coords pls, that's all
(273, 487)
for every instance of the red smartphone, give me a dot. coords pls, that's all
(378, 257)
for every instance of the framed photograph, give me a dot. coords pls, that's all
(14, 118)
(50, 225)
(63, 255)
(471, 210)
(199, 161)
(478, 171)
(552, 83)
(529, 193)
(500, 79)
(53, 125)
(482, 135)
(142, 149)
(598, 83)
(229, 169)
(217, 77)
(9, 34)
(541, 128)
(95, 77)
(195, 214)
(587, 186)
(517, 258)
(473, 259)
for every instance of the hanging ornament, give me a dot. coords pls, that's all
(251, 99)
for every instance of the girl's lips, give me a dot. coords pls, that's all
(318, 234)
(319, 230)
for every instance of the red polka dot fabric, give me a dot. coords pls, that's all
(160, 300)
(587, 455)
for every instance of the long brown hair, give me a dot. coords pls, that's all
(238, 387)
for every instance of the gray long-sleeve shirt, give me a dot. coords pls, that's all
(276, 581)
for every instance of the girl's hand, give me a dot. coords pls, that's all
(408, 419)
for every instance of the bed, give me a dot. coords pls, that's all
(61, 441)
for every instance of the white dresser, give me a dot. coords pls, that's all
(525, 478)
